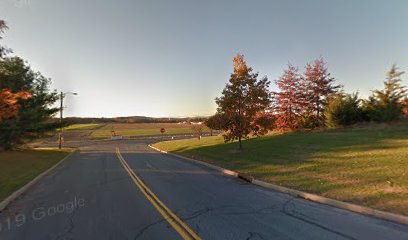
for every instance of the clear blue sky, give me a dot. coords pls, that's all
(173, 57)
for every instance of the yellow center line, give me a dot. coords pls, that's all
(184, 231)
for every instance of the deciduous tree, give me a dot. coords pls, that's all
(9, 105)
(405, 107)
(216, 122)
(242, 98)
(198, 129)
(288, 103)
(319, 86)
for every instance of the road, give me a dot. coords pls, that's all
(124, 190)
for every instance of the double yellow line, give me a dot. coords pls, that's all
(178, 225)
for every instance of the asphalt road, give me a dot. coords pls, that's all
(124, 190)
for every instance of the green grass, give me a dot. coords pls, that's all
(366, 165)
(143, 132)
(89, 126)
(17, 168)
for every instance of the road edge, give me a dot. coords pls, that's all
(23, 189)
(393, 217)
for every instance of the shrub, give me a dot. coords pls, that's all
(387, 105)
(343, 110)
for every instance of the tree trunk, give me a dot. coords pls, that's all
(240, 143)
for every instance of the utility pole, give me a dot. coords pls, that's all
(61, 128)
(61, 116)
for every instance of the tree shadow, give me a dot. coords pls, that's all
(299, 147)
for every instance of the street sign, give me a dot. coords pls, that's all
(162, 130)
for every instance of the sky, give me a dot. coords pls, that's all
(166, 58)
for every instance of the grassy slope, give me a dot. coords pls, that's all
(364, 165)
(19, 167)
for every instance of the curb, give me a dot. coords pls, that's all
(17, 193)
(397, 218)
(220, 169)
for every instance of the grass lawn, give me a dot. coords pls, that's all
(366, 165)
(89, 126)
(19, 167)
(134, 131)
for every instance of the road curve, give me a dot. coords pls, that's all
(125, 190)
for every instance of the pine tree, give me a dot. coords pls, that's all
(31, 120)
(242, 99)
(3, 49)
(343, 110)
(387, 104)
(319, 86)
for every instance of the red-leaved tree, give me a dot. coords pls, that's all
(405, 107)
(9, 105)
(319, 85)
(288, 103)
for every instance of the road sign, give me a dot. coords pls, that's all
(162, 130)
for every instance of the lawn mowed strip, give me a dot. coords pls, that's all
(88, 126)
(366, 165)
(17, 168)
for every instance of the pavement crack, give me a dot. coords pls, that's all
(198, 213)
(298, 215)
(69, 229)
(254, 235)
(144, 229)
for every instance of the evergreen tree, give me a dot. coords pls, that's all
(343, 110)
(242, 99)
(31, 121)
(3, 49)
(387, 104)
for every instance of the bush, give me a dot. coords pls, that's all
(343, 110)
(387, 105)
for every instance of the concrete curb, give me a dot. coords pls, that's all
(220, 169)
(16, 194)
(300, 194)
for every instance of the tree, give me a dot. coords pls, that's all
(289, 101)
(343, 110)
(216, 122)
(387, 104)
(9, 105)
(263, 122)
(3, 28)
(405, 107)
(319, 87)
(31, 120)
(198, 129)
(242, 98)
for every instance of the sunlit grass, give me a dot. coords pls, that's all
(89, 126)
(364, 165)
(17, 168)
(143, 132)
